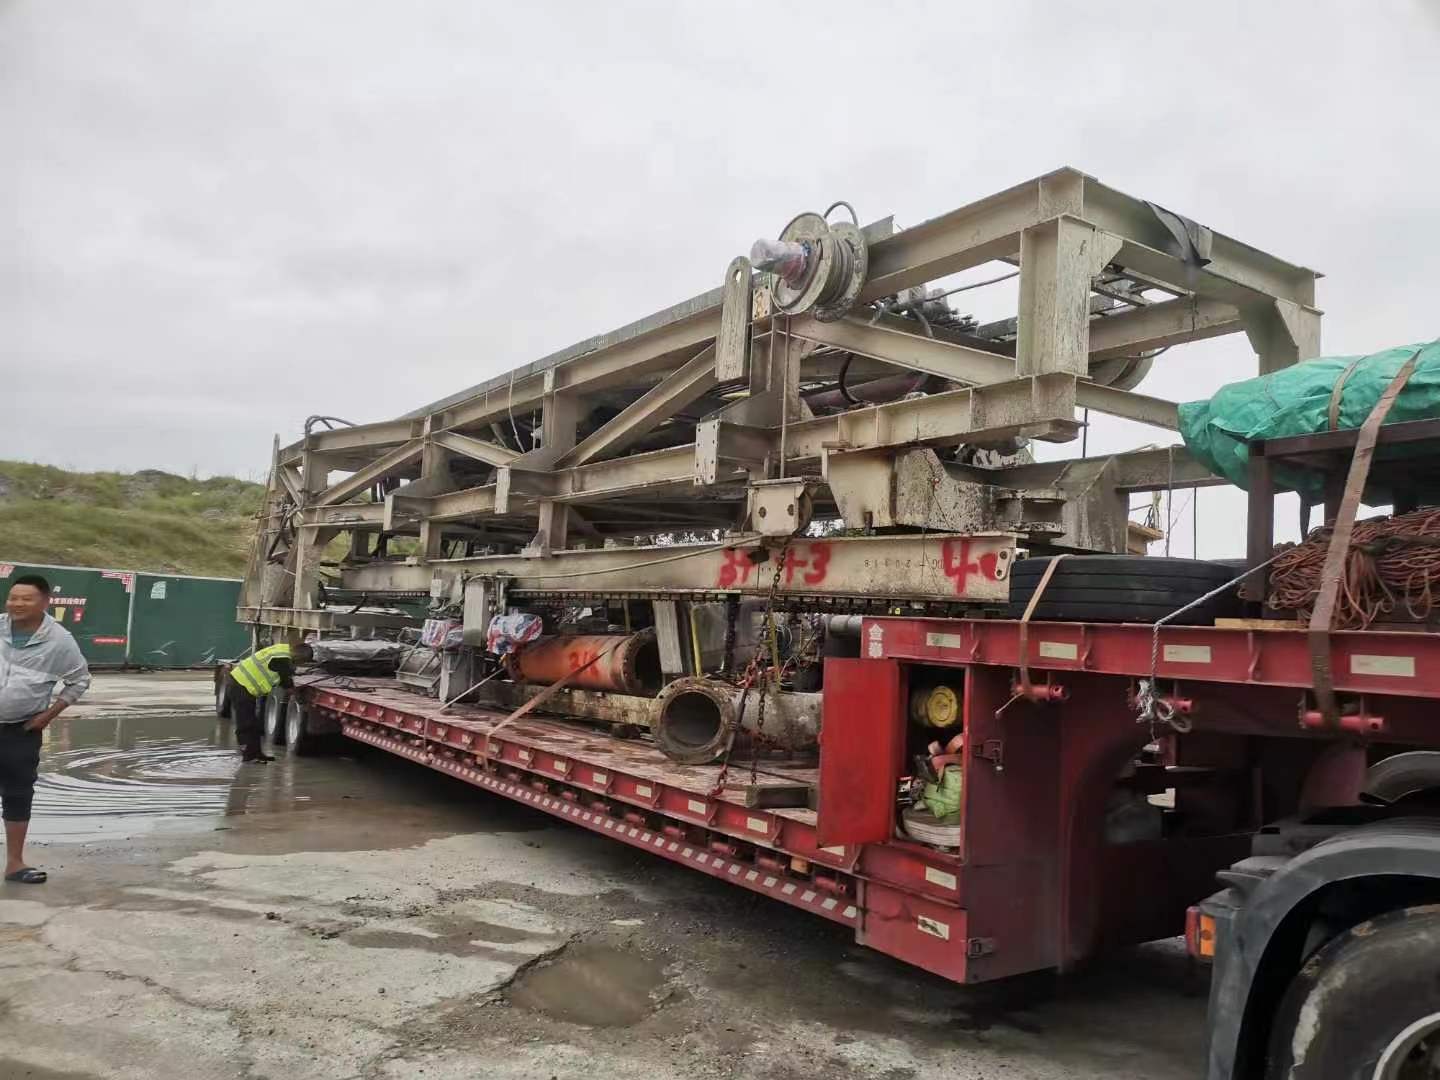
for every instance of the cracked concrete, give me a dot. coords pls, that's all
(363, 919)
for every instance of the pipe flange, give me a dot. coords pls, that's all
(694, 720)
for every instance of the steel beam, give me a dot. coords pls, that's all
(290, 480)
(344, 516)
(627, 363)
(692, 380)
(961, 363)
(1136, 470)
(1058, 264)
(935, 567)
(1042, 407)
(361, 480)
(1154, 411)
(978, 233)
(1169, 322)
(316, 619)
(476, 449)
(1207, 282)
(892, 340)
(1245, 266)
(359, 437)
(1282, 334)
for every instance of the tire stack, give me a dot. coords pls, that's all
(1122, 588)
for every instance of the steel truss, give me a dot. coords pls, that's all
(724, 416)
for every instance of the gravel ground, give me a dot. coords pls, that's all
(362, 917)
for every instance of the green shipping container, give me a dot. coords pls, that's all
(94, 605)
(125, 619)
(181, 622)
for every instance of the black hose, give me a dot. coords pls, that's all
(840, 380)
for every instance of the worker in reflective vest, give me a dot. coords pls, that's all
(251, 680)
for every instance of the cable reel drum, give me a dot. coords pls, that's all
(816, 266)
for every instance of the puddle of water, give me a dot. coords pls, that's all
(117, 776)
(595, 985)
(122, 774)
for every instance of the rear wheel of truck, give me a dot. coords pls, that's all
(1401, 775)
(274, 707)
(1366, 1005)
(300, 731)
(222, 696)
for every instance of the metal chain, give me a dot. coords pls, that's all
(775, 671)
(755, 670)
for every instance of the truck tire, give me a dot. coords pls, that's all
(1366, 1005)
(274, 706)
(299, 733)
(1122, 588)
(1399, 775)
(222, 696)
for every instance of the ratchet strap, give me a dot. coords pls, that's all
(542, 697)
(1333, 572)
(1025, 622)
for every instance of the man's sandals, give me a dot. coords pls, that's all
(27, 875)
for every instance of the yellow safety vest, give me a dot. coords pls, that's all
(254, 674)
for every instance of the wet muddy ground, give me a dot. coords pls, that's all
(361, 917)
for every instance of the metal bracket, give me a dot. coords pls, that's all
(779, 507)
(979, 946)
(993, 751)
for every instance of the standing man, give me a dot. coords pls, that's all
(36, 654)
(250, 680)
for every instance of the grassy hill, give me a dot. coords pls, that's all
(147, 520)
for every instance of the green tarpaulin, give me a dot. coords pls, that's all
(1296, 401)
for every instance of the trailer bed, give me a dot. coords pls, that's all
(899, 897)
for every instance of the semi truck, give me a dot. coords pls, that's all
(785, 584)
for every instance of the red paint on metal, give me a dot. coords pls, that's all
(864, 750)
(1034, 884)
(1361, 723)
(955, 560)
(1398, 663)
(628, 664)
(735, 569)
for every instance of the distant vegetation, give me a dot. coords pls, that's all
(148, 520)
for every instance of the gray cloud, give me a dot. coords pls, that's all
(224, 217)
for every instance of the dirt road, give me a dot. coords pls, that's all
(360, 917)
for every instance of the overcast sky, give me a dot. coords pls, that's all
(222, 217)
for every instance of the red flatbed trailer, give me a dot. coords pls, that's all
(1033, 885)
(730, 414)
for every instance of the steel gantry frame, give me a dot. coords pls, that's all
(726, 415)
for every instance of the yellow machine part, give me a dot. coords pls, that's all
(935, 706)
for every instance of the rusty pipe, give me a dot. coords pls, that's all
(695, 717)
(626, 664)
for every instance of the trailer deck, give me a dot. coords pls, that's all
(969, 914)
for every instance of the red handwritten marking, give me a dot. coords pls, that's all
(578, 658)
(810, 561)
(735, 570)
(959, 566)
(819, 564)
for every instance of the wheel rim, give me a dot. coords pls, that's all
(1414, 1054)
(293, 723)
(272, 718)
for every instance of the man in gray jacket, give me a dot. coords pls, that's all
(36, 653)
